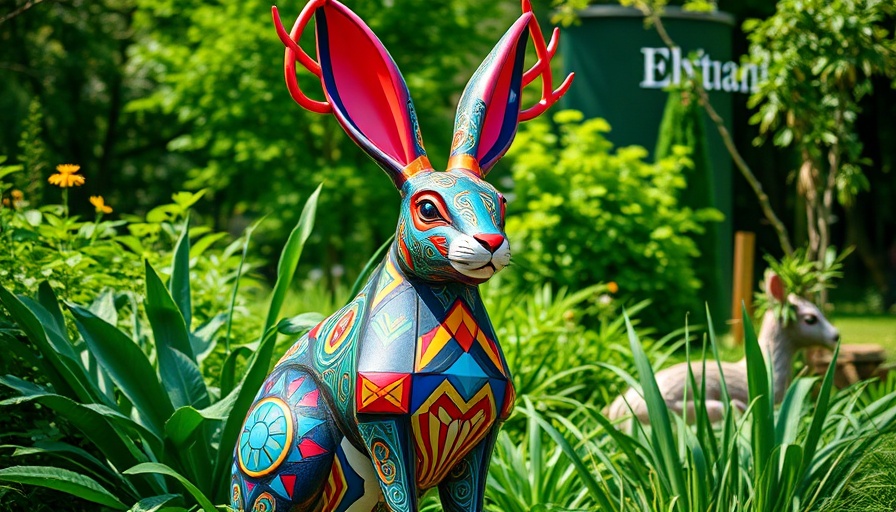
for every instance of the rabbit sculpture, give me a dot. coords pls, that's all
(404, 388)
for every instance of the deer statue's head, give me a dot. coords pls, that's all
(804, 325)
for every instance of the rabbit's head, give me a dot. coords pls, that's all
(451, 226)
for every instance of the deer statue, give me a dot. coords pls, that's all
(403, 389)
(779, 341)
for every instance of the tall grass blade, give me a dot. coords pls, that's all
(663, 440)
(582, 469)
(289, 258)
(179, 284)
(763, 420)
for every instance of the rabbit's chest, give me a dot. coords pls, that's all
(434, 361)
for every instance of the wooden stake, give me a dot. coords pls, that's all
(744, 253)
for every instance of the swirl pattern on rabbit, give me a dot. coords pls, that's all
(405, 387)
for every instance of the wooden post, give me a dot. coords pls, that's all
(744, 251)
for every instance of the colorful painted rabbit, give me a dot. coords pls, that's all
(404, 388)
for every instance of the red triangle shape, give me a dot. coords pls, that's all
(310, 399)
(464, 337)
(249, 487)
(294, 385)
(289, 483)
(309, 448)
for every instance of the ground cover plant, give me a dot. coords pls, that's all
(156, 432)
(807, 455)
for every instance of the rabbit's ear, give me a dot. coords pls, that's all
(368, 95)
(489, 108)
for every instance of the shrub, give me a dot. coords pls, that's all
(580, 214)
(141, 402)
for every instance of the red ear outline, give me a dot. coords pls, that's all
(368, 94)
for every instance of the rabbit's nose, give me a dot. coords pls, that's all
(490, 242)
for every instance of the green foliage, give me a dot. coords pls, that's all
(801, 276)
(580, 214)
(682, 125)
(140, 402)
(805, 455)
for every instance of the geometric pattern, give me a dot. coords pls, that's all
(459, 325)
(390, 278)
(266, 437)
(336, 486)
(385, 393)
(446, 427)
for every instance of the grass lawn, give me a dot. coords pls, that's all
(879, 329)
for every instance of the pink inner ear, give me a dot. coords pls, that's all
(370, 88)
(776, 287)
(497, 107)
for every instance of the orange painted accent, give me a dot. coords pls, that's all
(464, 161)
(383, 392)
(446, 428)
(420, 164)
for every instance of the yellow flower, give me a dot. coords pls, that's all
(17, 195)
(100, 204)
(612, 287)
(67, 177)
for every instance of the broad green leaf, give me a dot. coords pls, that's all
(204, 243)
(203, 339)
(162, 469)
(127, 366)
(289, 258)
(168, 325)
(299, 324)
(154, 503)
(104, 307)
(189, 376)
(111, 441)
(64, 376)
(179, 284)
(228, 370)
(62, 480)
(180, 375)
(68, 452)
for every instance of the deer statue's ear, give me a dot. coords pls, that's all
(774, 287)
(368, 95)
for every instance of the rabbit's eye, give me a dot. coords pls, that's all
(810, 319)
(428, 211)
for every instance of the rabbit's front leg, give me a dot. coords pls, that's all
(390, 450)
(463, 490)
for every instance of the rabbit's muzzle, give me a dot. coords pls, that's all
(479, 256)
